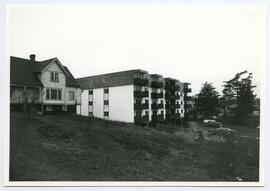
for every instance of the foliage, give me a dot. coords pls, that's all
(238, 96)
(207, 101)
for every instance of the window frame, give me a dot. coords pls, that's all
(69, 93)
(54, 76)
(105, 113)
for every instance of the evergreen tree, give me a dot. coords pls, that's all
(238, 94)
(207, 101)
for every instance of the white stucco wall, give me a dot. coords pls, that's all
(98, 102)
(84, 104)
(121, 104)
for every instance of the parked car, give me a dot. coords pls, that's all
(211, 123)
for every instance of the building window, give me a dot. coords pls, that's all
(64, 107)
(161, 112)
(106, 102)
(91, 114)
(177, 111)
(181, 102)
(71, 95)
(106, 113)
(54, 77)
(106, 90)
(182, 111)
(53, 94)
(48, 108)
(90, 92)
(90, 102)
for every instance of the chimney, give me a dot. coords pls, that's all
(32, 57)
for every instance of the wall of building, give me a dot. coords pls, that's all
(121, 105)
(84, 109)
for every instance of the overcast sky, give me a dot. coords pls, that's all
(191, 43)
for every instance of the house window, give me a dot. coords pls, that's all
(91, 114)
(53, 94)
(90, 102)
(54, 77)
(64, 107)
(106, 90)
(181, 102)
(71, 95)
(182, 111)
(106, 113)
(177, 111)
(161, 112)
(47, 93)
(48, 108)
(90, 92)
(106, 102)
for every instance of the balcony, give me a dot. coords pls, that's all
(154, 106)
(140, 106)
(155, 95)
(169, 96)
(172, 87)
(141, 81)
(157, 117)
(156, 84)
(160, 106)
(177, 96)
(141, 119)
(160, 118)
(187, 90)
(140, 94)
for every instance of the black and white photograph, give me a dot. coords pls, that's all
(135, 95)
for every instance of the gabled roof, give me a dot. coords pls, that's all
(23, 72)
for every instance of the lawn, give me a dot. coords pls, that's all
(75, 148)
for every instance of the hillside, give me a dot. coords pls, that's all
(67, 148)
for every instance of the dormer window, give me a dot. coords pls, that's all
(54, 77)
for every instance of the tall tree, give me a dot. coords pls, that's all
(238, 94)
(207, 101)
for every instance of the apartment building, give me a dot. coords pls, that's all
(132, 96)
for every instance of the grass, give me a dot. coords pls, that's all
(67, 148)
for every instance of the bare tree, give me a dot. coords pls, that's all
(30, 98)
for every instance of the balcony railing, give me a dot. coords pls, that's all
(169, 96)
(141, 119)
(140, 106)
(140, 94)
(141, 81)
(157, 117)
(172, 87)
(160, 106)
(187, 90)
(160, 117)
(155, 95)
(156, 84)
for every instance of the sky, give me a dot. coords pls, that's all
(191, 43)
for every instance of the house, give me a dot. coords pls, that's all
(132, 96)
(48, 85)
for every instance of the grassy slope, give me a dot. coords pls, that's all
(80, 148)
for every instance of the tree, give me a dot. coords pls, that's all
(238, 95)
(30, 97)
(207, 101)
